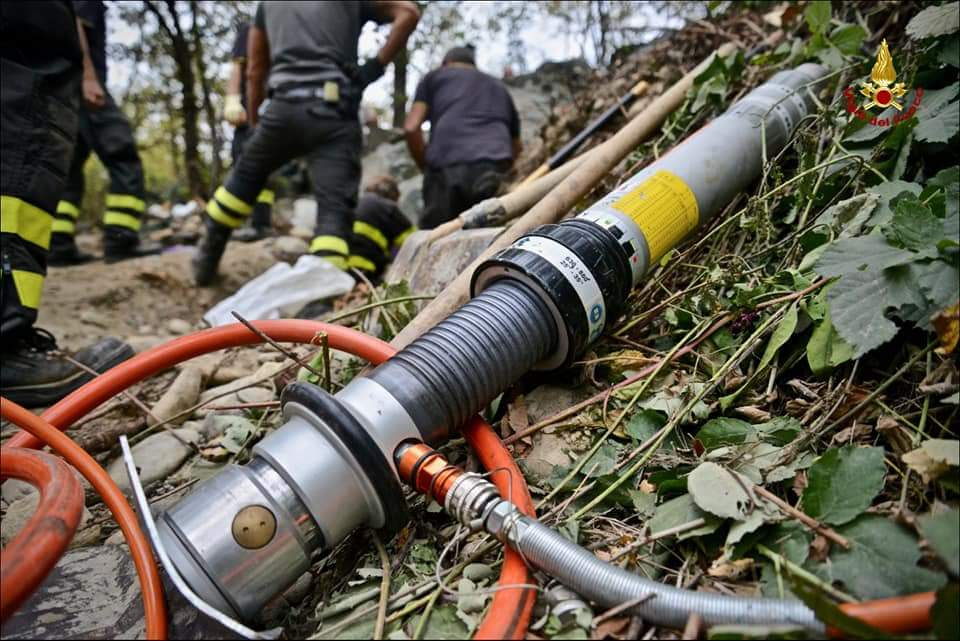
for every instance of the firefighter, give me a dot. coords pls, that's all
(315, 87)
(40, 62)
(104, 130)
(379, 229)
(235, 112)
(474, 136)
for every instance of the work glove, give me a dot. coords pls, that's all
(369, 72)
(233, 111)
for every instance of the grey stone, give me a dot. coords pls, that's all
(178, 326)
(265, 370)
(20, 511)
(180, 396)
(95, 318)
(289, 248)
(143, 343)
(157, 456)
(547, 400)
(427, 269)
(536, 94)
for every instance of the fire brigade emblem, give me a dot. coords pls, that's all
(879, 91)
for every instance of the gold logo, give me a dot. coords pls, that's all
(880, 93)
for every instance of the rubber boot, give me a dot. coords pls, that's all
(34, 374)
(64, 251)
(259, 228)
(120, 243)
(209, 252)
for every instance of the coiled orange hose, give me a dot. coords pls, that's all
(29, 557)
(510, 611)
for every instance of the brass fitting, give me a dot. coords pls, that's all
(426, 470)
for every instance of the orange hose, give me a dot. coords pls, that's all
(27, 560)
(153, 603)
(897, 615)
(511, 609)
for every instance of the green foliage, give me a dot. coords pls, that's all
(842, 483)
(679, 511)
(935, 21)
(946, 612)
(942, 531)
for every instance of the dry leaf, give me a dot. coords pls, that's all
(613, 628)
(819, 549)
(730, 570)
(753, 413)
(947, 324)
(933, 458)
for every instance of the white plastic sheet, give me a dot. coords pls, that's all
(282, 289)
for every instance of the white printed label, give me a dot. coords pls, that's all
(576, 274)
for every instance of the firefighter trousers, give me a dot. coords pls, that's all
(331, 143)
(39, 98)
(262, 208)
(107, 133)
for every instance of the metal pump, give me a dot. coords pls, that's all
(242, 537)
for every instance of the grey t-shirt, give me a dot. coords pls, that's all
(312, 41)
(472, 116)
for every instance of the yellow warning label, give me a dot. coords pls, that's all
(665, 210)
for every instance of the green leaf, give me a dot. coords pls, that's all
(881, 561)
(946, 612)
(716, 490)
(780, 336)
(826, 348)
(603, 461)
(679, 511)
(779, 430)
(942, 531)
(866, 253)
(942, 127)
(643, 503)
(934, 21)
(857, 305)
(644, 424)
(828, 613)
(887, 192)
(817, 15)
(848, 38)
(842, 483)
(914, 226)
(950, 52)
(718, 432)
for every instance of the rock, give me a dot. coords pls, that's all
(181, 395)
(143, 343)
(179, 326)
(304, 213)
(92, 593)
(264, 371)
(93, 317)
(289, 248)
(304, 233)
(225, 375)
(20, 511)
(536, 94)
(116, 538)
(547, 400)
(146, 329)
(427, 269)
(13, 489)
(157, 456)
(546, 452)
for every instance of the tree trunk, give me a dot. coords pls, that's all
(216, 166)
(400, 87)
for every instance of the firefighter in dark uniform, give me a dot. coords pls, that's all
(379, 229)
(235, 112)
(315, 87)
(40, 73)
(105, 130)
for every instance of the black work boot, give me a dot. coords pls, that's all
(120, 243)
(34, 375)
(260, 226)
(209, 252)
(64, 251)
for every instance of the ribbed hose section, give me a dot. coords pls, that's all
(609, 585)
(452, 372)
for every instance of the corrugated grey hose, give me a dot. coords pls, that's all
(610, 586)
(451, 372)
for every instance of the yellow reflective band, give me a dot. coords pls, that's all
(61, 226)
(214, 211)
(232, 201)
(361, 263)
(22, 219)
(121, 220)
(403, 236)
(122, 201)
(337, 261)
(68, 208)
(333, 244)
(369, 231)
(29, 286)
(266, 196)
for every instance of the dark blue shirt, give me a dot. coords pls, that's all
(472, 116)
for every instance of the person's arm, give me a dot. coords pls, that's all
(515, 139)
(93, 95)
(233, 110)
(403, 16)
(414, 134)
(258, 63)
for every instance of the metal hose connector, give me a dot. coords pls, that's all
(474, 502)
(452, 372)
(666, 605)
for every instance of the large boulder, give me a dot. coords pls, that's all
(428, 267)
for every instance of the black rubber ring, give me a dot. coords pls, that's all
(366, 452)
(416, 468)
